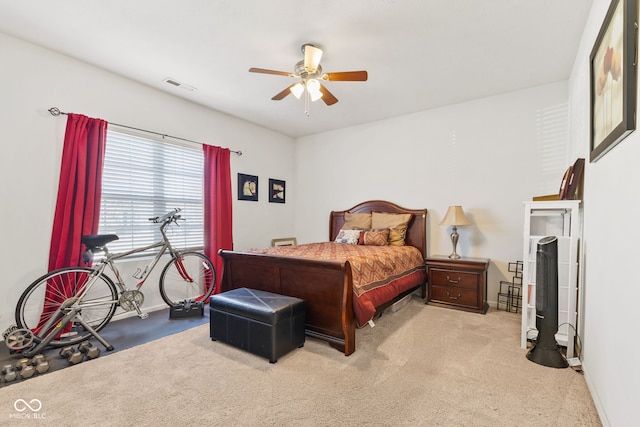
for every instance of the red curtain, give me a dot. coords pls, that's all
(217, 205)
(78, 204)
(79, 190)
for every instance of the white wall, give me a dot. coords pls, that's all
(488, 155)
(32, 79)
(611, 289)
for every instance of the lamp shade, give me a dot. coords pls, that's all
(297, 89)
(313, 87)
(312, 56)
(455, 216)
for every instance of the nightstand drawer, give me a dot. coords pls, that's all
(457, 296)
(458, 279)
(458, 283)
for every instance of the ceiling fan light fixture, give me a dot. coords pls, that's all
(315, 96)
(312, 56)
(297, 90)
(313, 87)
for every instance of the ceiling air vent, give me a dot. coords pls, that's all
(181, 85)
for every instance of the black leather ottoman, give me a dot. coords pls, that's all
(266, 324)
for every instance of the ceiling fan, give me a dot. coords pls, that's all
(310, 72)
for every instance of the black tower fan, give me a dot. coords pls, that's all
(545, 350)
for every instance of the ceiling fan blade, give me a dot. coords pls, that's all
(327, 96)
(347, 76)
(282, 94)
(312, 56)
(265, 71)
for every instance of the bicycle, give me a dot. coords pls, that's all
(72, 304)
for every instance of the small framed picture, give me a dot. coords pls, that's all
(287, 241)
(247, 187)
(276, 190)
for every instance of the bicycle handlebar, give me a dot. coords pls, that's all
(168, 217)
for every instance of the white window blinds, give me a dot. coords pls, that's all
(144, 178)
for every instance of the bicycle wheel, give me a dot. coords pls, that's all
(190, 276)
(42, 298)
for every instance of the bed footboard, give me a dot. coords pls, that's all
(326, 286)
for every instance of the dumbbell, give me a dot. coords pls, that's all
(29, 367)
(40, 364)
(89, 350)
(25, 368)
(72, 355)
(9, 373)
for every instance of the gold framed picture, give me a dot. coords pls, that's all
(287, 241)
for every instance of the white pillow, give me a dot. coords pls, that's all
(350, 237)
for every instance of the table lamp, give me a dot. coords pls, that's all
(455, 217)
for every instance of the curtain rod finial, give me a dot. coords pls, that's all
(54, 111)
(239, 153)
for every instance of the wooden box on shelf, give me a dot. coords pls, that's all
(458, 283)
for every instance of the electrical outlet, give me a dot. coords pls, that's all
(574, 361)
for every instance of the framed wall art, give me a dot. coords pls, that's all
(287, 241)
(613, 78)
(276, 191)
(247, 187)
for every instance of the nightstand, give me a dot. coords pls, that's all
(458, 283)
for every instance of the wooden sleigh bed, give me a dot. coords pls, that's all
(325, 285)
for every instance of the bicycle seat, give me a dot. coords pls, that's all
(98, 240)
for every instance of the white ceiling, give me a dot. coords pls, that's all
(420, 54)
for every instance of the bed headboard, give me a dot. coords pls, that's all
(416, 231)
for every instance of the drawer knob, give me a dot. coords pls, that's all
(454, 298)
(455, 282)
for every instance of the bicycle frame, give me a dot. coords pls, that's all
(109, 260)
(142, 275)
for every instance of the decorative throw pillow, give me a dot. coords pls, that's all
(356, 221)
(396, 223)
(376, 237)
(350, 237)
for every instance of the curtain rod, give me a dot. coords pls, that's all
(55, 111)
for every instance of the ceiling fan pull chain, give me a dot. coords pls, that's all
(307, 104)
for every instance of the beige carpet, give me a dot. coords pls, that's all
(420, 366)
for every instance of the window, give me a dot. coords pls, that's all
(144, 178)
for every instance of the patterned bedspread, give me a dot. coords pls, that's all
(379, 272)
